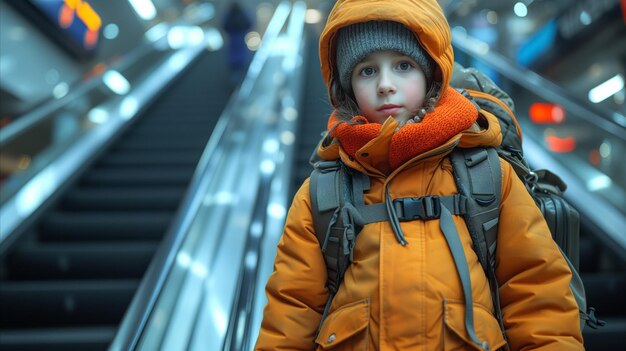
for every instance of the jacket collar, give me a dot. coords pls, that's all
(372, 154)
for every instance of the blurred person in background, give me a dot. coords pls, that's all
(237, 23)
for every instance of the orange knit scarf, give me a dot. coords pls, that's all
(453, 114)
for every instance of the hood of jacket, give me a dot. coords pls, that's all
(424, 17)
(427, 20)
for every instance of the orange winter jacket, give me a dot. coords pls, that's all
(396, 297)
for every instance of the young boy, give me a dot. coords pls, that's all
(387, 65)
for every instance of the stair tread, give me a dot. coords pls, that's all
(123, 198)
(106, 226)
(38, 337)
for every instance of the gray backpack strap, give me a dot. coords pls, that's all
(324, 193)
(327, 187)
(479, 178)
(332, 204)
(456, 249)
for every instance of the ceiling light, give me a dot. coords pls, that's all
(492, 17)
(599, 182)
(98, 115)
(605, 149)
(111, 31)
(313, 16)
(60, 90)
(144, 9)
(606, 89)
(157, 32)
(585, 18)
(253, 40)
(520, 9)
(115, 81)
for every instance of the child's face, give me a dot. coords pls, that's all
(387, 83)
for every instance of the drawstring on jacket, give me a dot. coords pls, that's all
(393, 218)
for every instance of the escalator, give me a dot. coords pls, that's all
(68, 279)
(315, 110)
(603, 265)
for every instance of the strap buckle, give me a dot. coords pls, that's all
(412, 208)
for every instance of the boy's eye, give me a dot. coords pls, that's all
(404, 66)
(367, 71)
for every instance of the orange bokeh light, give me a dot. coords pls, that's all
(66, 16)
(561, 145)
(545, 113)
(594, 157)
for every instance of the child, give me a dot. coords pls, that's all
(387, 65)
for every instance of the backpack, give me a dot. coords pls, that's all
(339, 211)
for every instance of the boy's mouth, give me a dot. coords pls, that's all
(389, 109)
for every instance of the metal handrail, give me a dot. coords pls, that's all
(245, 306)
(43, 185)
(146, 298)
(536, 83)
(46, 110)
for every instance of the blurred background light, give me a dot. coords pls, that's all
(492, 17)
(560, 145)
(546, 113)
(253, 40)
(115, 81)
(214, 39)
(599, 182)
(144, 8)
(312, 16)
(606, 89)
(157, 32)
(60, 90)
(98, 115)
(520, 9)
(111, 31)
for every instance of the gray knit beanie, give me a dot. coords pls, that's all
(358, 40)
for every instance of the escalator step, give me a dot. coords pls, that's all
(605, 292)
(123, 199)
(202, 140)
(166, 144)
(58, 339)
(172, 133)
(150, 159)
(204, 116)
(64, 303)
(139, 176)
(80, 261)
(104, 226)
(172, 126)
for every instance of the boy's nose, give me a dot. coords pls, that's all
(385, 85)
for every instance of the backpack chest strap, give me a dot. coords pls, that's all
(411, 209)
(428, 207)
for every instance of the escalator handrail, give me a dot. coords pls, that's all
(46, 109)
(245, 306)
(539, 85)
(16, 210)
(145, 300)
